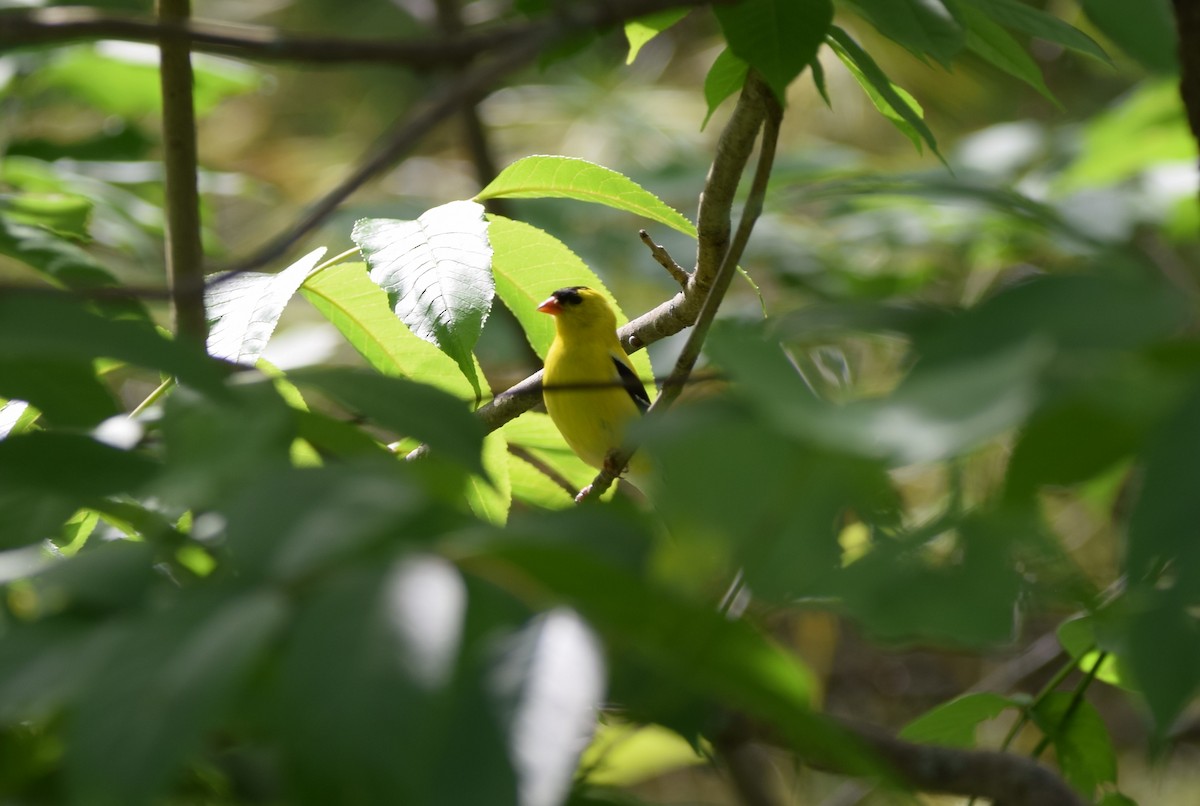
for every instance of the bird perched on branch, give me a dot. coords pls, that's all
(591, 390)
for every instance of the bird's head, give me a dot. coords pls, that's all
(579, 308)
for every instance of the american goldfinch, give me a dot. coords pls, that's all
(598, 393)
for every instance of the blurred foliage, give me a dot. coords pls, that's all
(969, 419)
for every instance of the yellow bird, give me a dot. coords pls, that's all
(592, 392)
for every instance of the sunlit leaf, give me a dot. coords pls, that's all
(954, 723)
(541, 177)
(358, 308)
(643, 29)
(244, 309)
(724, 78)
(778, 38)
(436, 271)
(490, 495)
(895, 104)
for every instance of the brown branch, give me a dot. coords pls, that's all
(1187, 23)
(1003, 778)
(681, 311)
(660, 254)
(36, 27)
(759, 95)
(185, 255)
(560, 481)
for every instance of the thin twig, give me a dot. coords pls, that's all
(561, 481)
(185, 255)
(756, 91)
(679, 273)
(1073, 705)
(681, 311)
(38, 27)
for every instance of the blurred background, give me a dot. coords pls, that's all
(1036, 179)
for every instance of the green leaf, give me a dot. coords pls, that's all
(724, 78)
(490, 495)
(778, 38)
(66, 391)
(1163, 653)
(1030, 20)
(1116, 799)
(358, 308)
(543, 177)
(895, 104)
(16, 417)
(691, 644)
(992, 43)
(437, 274)
(164, 686)
(1162, 526)
(51, 255)
(44, 666)
(924, 27)
(1081, 741)
(244, 309)
(530, 264)
(53, 327)
(280, 525)
(640, 31)
(1079, 638)
(536, 433)
(70, 464)
(953, 723)
(405, 407)
(215, 449)
(379, 647)
(121, 78)
(65, 215)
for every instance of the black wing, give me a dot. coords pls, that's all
(632, 385)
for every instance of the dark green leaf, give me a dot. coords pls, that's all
(993, 43)
(292, 524)
(437, 274)
(1030, 20)
(724, 78)
(164, 686)
(1164, 526)
(49, 326)
(778, 38)
(407, 408)
(954, 723)
(378, 648)
(1080, 738)
(693, 644)
(53, 256)
(216, 448)
(925, 27)
(244, 309)
(107, 577)
(66, 391)
(70, 464)
(875, 79)
(1148, 35)
(1084, 637)
(1163, 654)
(45, 665)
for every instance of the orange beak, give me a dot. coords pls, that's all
(551, 306)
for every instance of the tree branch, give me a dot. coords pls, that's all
(682, 310)
(35, 27)
(185, 255)
(759, 96)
